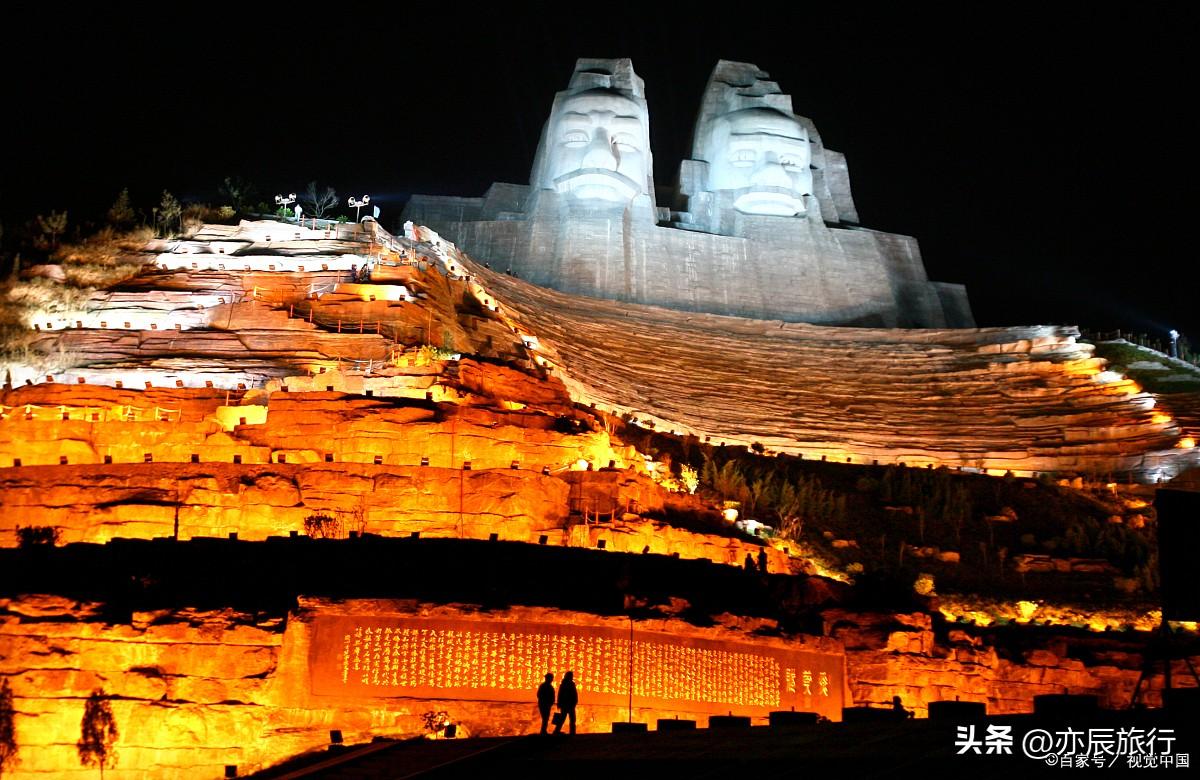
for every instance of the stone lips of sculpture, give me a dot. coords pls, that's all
(596, 147)
(762, 156)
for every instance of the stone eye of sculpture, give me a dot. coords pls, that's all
(763, 157)
(598, 148)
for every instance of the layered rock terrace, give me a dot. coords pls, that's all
(262, 333)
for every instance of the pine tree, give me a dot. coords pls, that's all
(791, 511)
(98, 732)
(236, 192)
(169, 212)
(8, 733)
(762, 492)
(120, 214)
(53, 226)
(708, 474)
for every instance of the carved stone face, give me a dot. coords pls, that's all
(762, 156)
(597, 147)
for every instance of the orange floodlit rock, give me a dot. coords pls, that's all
(245, 384)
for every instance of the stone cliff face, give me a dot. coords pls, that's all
(194, 462)
(486, 457)
(254, 307)
(195, 691)
(899, 655)
(183, 500)
(290, 401)
(95, 504)
(189, 688)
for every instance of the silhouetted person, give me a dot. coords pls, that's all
(568, 697)
(762, 561)
(748, 564)
(545, 699)
(898, 708)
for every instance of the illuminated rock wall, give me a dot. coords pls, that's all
(453, 658)
(152, 487)
(194, 692)
(191, 688)
(297, 429)
(1028, 399)
(242, 305)
(98, 503)
(898, 655)
(662, 539)
(307, 427)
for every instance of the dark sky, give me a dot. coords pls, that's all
(1044, 155)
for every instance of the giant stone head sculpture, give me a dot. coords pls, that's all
(762, 157)
(596, 144)
(750, 153)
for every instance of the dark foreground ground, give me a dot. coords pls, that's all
(891, 749)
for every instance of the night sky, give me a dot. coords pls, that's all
(1045, 156)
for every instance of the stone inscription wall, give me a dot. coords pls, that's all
(503, 661)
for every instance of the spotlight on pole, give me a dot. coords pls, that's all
(358, 204)
(284, 202)
(1174, 334)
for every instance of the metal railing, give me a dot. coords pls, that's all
(1185, 354)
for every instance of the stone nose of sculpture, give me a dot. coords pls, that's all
(770, 173)
(600, 153)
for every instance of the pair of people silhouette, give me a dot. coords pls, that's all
(568, 697)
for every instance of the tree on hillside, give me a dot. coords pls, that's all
(317, 202)
(358, 516)
(8, 732)
(323, 527)
(52, 226)
(790, 508)
(169, 212)
(31, 536)
(120, 214)
(98, 732)
(237, 192)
